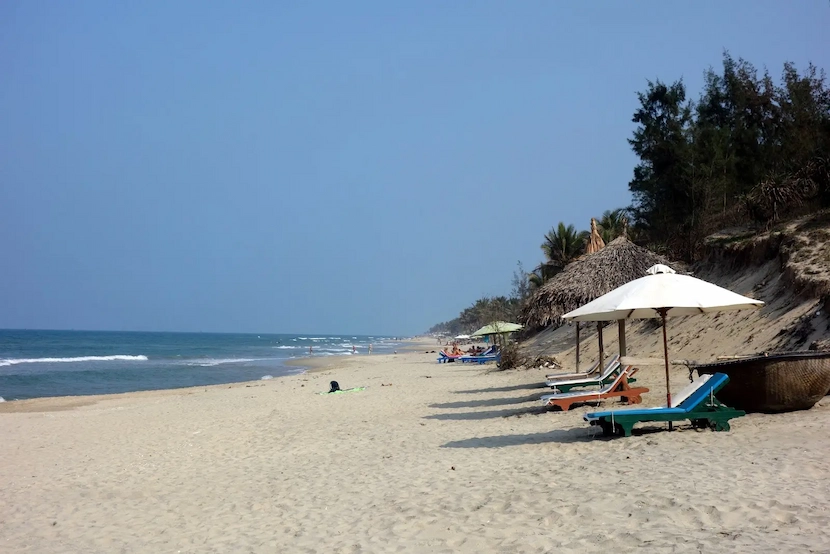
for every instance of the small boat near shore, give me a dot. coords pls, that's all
(774, 382)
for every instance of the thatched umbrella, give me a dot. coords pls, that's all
(595, 242)
(586, 278)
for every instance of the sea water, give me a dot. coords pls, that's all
(67, 363)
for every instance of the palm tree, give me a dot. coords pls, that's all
(612, 224)
(562, 245)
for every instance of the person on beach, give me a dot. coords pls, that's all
(370, 349)
(354, 349)
(311, 349)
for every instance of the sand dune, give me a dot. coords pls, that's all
(446, 459)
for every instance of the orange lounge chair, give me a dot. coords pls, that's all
(619, 387)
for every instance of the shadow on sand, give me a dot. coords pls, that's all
(487, 402)
(489, 414)
(501, 441)
(528, 386)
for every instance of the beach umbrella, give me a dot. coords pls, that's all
(661, 293)
(586, 279)
(462, 337)
(497, 328)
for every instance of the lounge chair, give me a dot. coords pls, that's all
(487, 356)
(575, 374)
(481, 359)
(612, 368)
(617, 388)
(696, 402)
(444, 357)
(592, 371)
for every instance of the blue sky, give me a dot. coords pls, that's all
(349, 167)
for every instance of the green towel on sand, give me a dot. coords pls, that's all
(341, 391)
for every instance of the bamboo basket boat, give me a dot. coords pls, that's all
(777, 382)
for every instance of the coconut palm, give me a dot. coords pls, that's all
(612, 224)
(562, 245)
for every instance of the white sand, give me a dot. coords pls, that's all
(447, 459)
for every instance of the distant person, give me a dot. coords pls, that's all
(311, 349)
(354, 349)
(370, 349)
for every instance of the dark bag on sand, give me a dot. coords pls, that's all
(334, 386)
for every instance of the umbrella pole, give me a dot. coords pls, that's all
(666, 358)
(601, 348)
(621, 332)
(577, 346)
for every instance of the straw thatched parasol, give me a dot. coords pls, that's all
(595, 242)
(586, 278)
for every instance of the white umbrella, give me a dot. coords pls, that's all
(660, 294)
(462, 337)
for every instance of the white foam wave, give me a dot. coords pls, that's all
(288, 347)
(266, 377)
(214, 362)
(119, 357)
(2, 399)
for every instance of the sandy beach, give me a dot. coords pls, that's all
(428, 458)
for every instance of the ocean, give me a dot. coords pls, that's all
(35, 364)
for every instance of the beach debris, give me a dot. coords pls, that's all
(452, 468)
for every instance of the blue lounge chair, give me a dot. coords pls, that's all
(488, 355)
(696, 402)
(444, 357)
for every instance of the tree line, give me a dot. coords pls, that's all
(747, 152)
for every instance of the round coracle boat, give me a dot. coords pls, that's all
(775, 382)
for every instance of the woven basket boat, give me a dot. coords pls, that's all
(780, 382)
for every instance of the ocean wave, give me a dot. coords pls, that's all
(119, 357)
(266, 377)
(214, 362)
(283, 347)
(2, 399)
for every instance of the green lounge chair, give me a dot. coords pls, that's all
(696, 403)
(612, 369)
(574, 374)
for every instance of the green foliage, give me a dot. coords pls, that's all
(613, 224)
(484, 311)
(747, 151)
(521, 283)
(561, 245)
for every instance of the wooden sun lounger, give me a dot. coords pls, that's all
(696, 403)
(619, 387)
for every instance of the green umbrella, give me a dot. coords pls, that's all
(497, 328)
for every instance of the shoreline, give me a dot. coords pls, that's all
(309, 365)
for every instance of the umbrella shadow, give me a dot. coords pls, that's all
(488, 414)
(487, 402)
(502, 441)
(511, 388)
